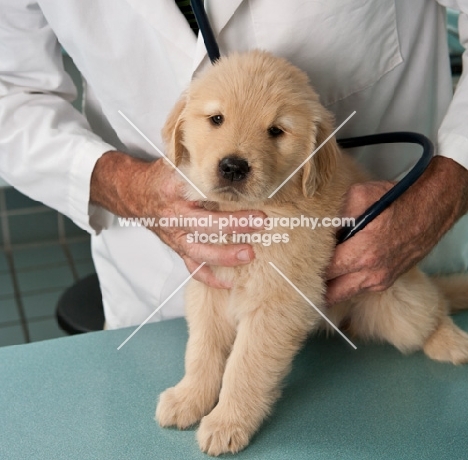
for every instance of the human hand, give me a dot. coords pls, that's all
(153, 189)
(402, 235)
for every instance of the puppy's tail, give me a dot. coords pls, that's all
(455, 289)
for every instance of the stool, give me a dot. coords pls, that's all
(80, 308)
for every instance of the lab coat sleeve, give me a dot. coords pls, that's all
(47, 149)
(453, 132)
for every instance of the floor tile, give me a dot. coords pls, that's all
(44, 330)
(41, 305)
(46, 278)
(8, 311)
(6, 285)
(16, 200)
(80, 251)
(33, 228)
(39, 256)
(85, 268)
(3, 262)
(2, 243)
(71, 229)
(11, 335)
(3, 186)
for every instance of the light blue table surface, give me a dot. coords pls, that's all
(79, 398)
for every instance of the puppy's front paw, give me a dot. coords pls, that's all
(180, 406)
(218, 435)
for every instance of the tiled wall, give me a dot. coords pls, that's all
(41, 254)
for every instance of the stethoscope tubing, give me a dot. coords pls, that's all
(400, 187)
(205, 28)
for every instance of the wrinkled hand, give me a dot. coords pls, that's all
(155, 190)
(402, 235)
(363, 262)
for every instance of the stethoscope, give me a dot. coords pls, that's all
(384, 138)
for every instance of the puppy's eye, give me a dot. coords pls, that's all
(274, 131)
(217, 120)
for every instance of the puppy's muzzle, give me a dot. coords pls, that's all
(233, 169)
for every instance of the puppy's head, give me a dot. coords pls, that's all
(245, 125)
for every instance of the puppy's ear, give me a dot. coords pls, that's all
(172, 132)
(320, 168)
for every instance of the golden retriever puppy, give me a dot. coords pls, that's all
(237, 133)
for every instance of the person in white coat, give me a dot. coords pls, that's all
(387, 60)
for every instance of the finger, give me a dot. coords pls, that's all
(344, 287)
(221, 255)
(192, 218)
(343, 261)
(227, 255)
(205, 275)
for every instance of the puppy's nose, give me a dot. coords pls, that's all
(233, 168)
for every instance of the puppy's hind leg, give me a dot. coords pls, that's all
(447, 343)
(210, 341)
(412, 315)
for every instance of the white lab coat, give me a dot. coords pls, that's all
(385, 59)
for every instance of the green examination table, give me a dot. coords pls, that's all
(78, 398)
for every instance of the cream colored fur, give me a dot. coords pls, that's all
(242, 341)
